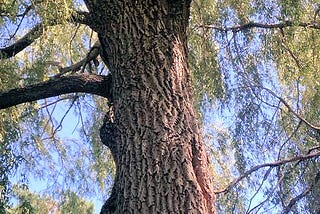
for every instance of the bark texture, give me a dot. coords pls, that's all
(162, 166)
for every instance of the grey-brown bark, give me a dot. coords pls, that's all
(161, 162)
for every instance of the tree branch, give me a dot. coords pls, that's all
(250, 25)
(81, 17)
(10, 51)
(22, 43)
(294, 200)
(91, 56)
(7, 14)
(85, 83)
(314, 127)
(272, 164)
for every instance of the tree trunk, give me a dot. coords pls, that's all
(152, 131)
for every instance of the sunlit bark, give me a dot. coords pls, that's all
(162, 166)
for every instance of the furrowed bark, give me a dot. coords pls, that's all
(86, 83)
(162, 166)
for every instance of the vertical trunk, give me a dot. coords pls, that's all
(153, 134)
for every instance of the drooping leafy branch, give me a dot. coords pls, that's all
(248, 52)
(271, 165)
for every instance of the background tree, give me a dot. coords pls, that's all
(254, 69)
(29, 202)
(150, 128)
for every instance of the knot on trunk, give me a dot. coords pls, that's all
(110, 205)
(108, 133)
(108, 137)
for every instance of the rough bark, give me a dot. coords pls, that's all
(162, 166)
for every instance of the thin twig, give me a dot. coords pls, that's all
(251, 25)
(314, 127)
(294, 200)
(272, 164)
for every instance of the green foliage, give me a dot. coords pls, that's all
(102, 162)
(260, 127)
(9, 132)
(238, 77)
(8, 8)
(54, 11)
(73, 204)
(207, 77)
(29, 135)
(29, 202)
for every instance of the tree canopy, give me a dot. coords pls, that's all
(255, 69)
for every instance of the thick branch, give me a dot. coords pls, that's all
(273, 164)
(85, 83)
(22, 43)
(36, 32)
(250, 25)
